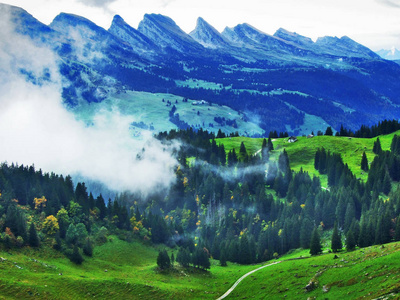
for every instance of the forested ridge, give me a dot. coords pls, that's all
(235, 205)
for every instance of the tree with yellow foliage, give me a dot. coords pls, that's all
(50, 225)
(40, 203)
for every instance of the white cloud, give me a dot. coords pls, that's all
(390, 3)
(35, 128)
(97, 3)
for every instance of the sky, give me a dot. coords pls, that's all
(373, 23)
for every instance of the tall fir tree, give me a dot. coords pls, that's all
(397, 229)
(329, 131)
(33, 236)
(350, 241)
(377, 149)
(222, 258)
(364, 162)
(336, 243)
(386, 184)
(315, 244)
(270, 145)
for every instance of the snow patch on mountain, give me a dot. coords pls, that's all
(392, 54)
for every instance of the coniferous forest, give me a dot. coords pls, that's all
(228, 205)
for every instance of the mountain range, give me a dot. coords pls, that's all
(392, 54)
(282, 82)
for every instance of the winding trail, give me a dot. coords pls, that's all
(243, 277)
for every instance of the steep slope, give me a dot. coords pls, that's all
(26, 24)
(294, 38)
(250, 37)
(208, 36)
(265, 47)
(139, 42)
(344, 46)
(164, 32)
(83, 30)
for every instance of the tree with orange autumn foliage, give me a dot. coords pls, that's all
(40, 203)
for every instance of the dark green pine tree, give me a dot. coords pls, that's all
(222, 154)
(386, 184)
(102, 206)
(397, 229)
(305, 233)
(336, 243)
(377, 149)
(204, 260)
(244, 250)
(76, 256)
(33, 237)
(350, 241)
(316, 160)
(172, 259)
(383, 228)
(270, 145)
(183, 257)
(252, 249)
(364, 237)
(222, 258)
(163, 261)
(329, 131)
(394, 147)
(264, 150)
(88, 248)
(243, 152)
(232, 158)
(58, 243)
(315, 244)
(364, 162)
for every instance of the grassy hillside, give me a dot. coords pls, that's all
(368, 273)
(302, 153)
(150, 109)
(118, 270)
(121, 270)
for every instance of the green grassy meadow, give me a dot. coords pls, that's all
(302, 153)
(152, 111)
(367, 273)
(122, 270)
(117, 270)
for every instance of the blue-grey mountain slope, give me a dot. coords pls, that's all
(139, 42)
(164, 32)
(208, 36)
(283, 82)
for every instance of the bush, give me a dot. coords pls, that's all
(20, 242)
(163, 261)
(76, 256)
(102, 235)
